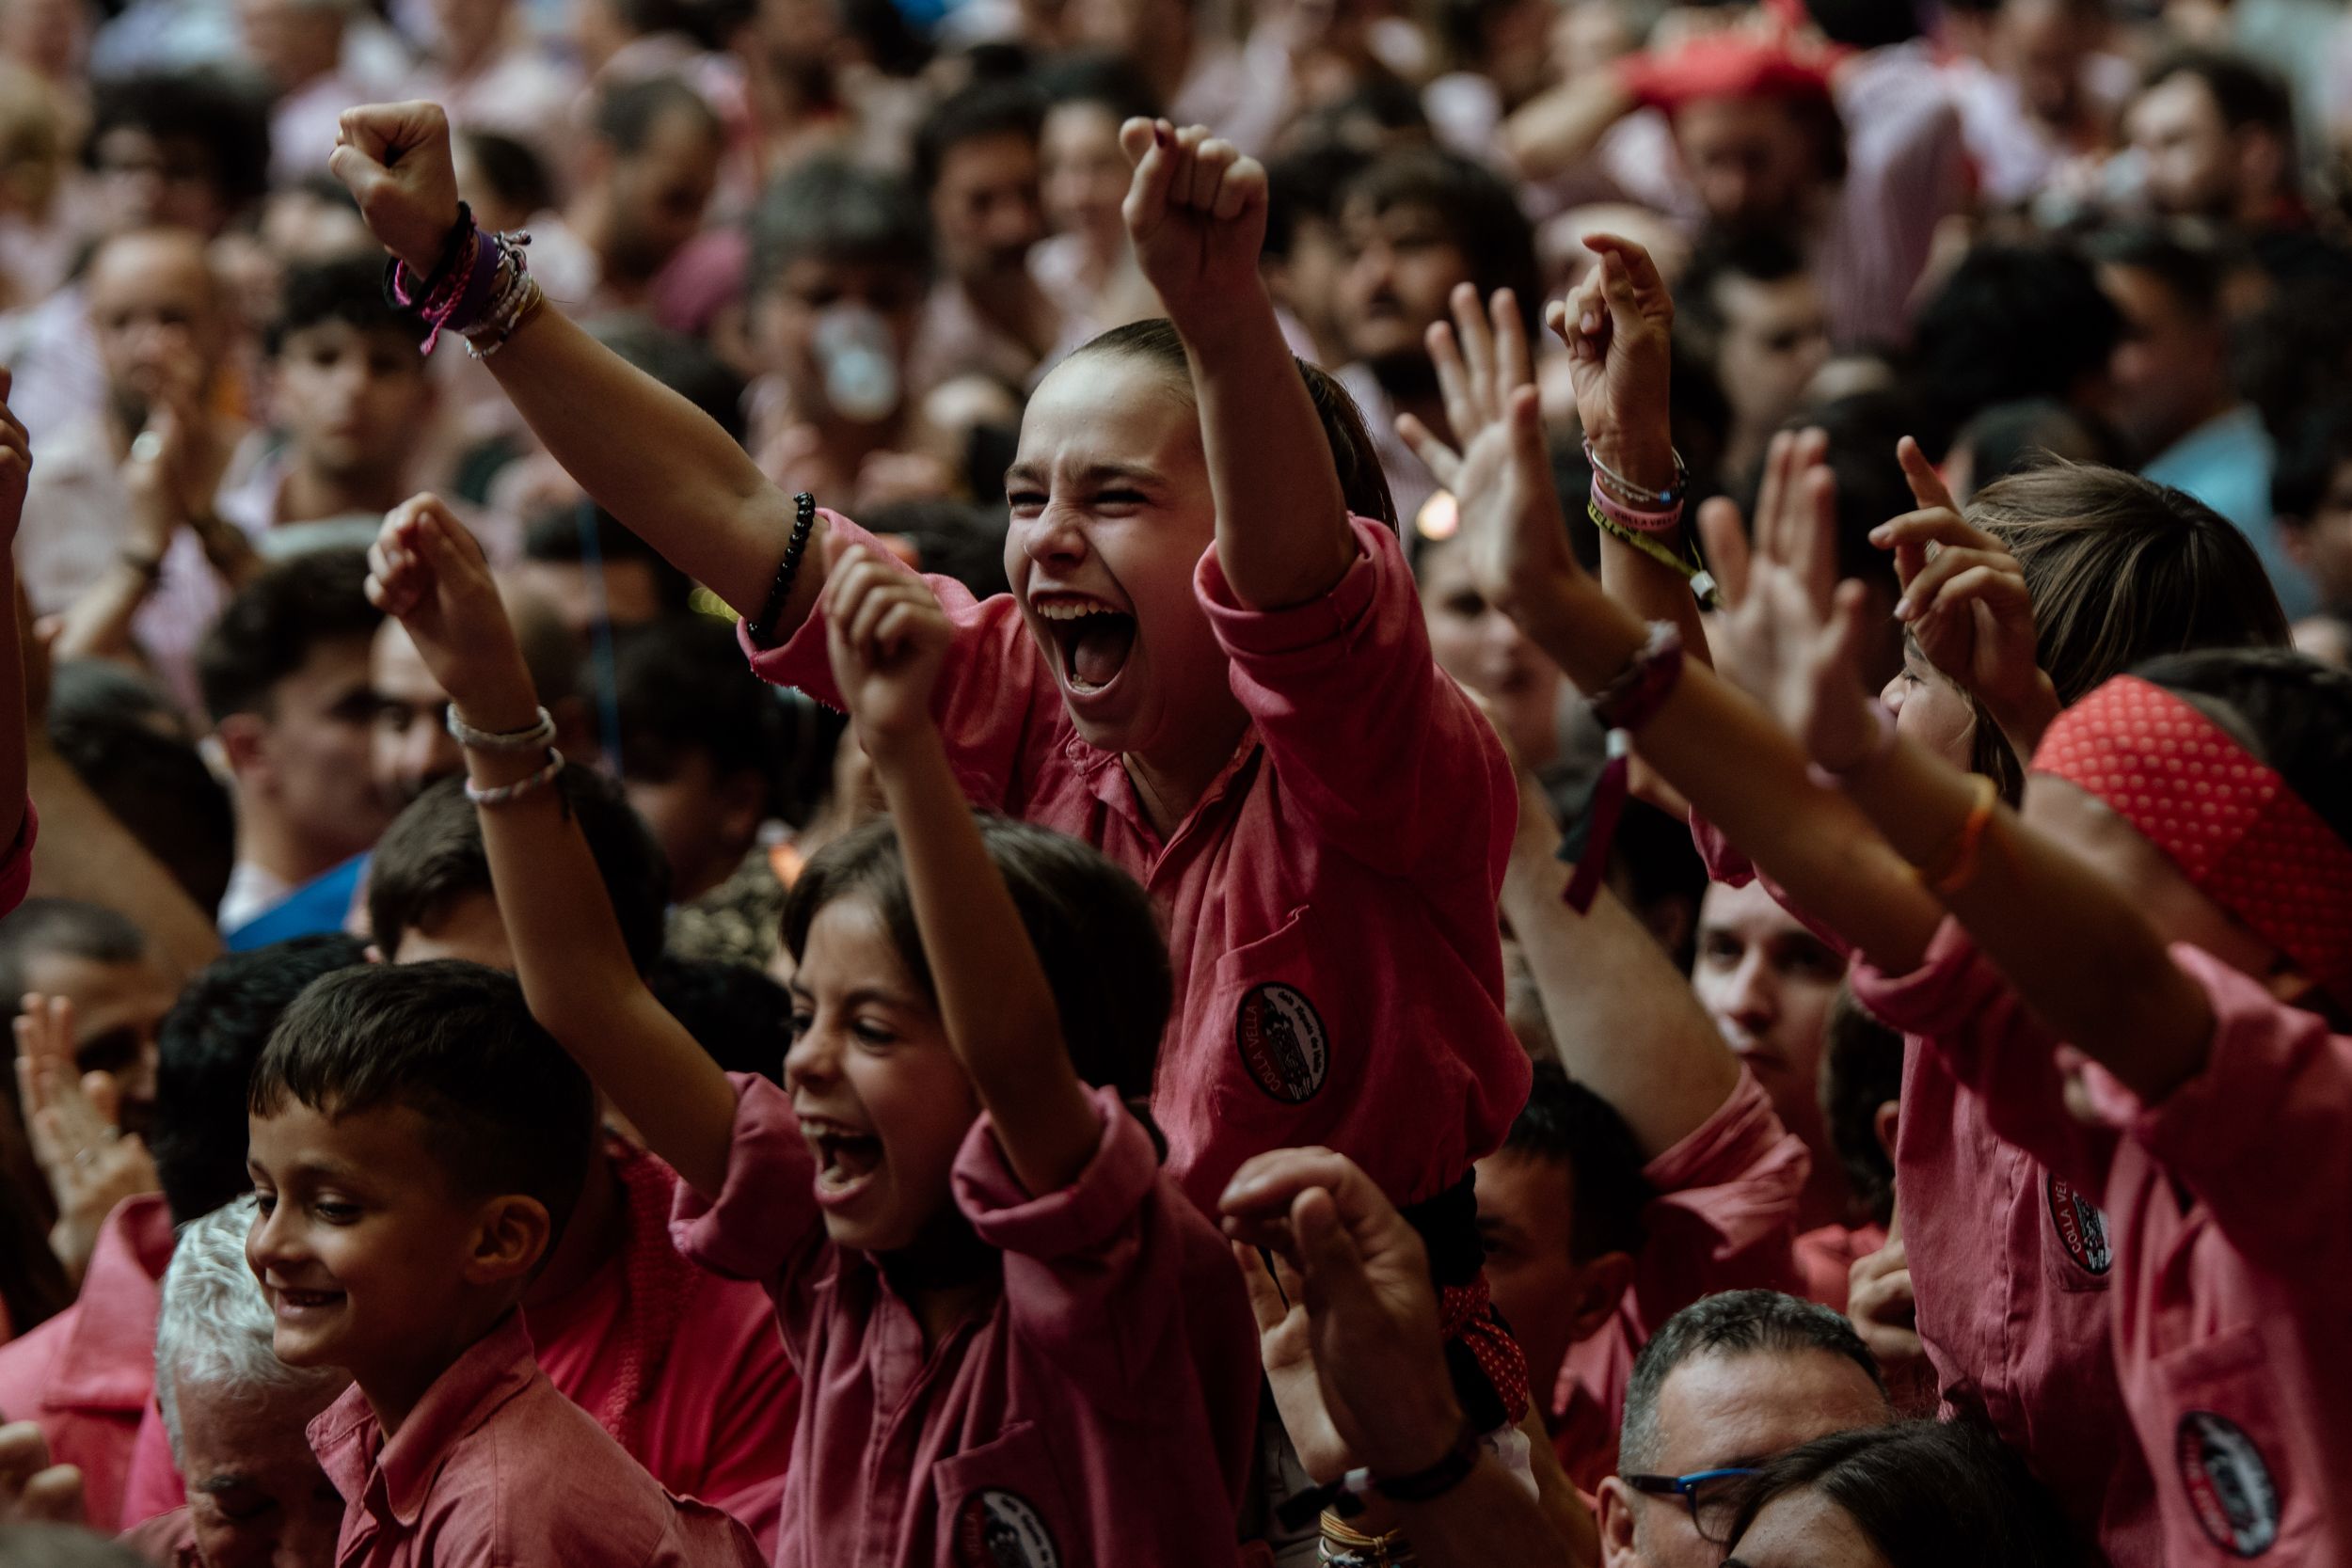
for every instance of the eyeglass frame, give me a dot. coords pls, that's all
(1685, 1487)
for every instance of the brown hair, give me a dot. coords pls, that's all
(2121, 570)
(1154, 341)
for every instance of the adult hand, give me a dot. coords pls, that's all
(428, 572)
(1499, 470)
(1196, 213)
(32, 1490)
(395, 158)
(1371, 1316)
(69, 1121)
(1619, 329)
(887, 638)
(1965, 600)
(1791, 634)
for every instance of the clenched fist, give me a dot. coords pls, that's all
(395, 159)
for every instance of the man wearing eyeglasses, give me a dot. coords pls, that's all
(1725, 1385)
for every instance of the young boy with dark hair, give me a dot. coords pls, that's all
(349, 399)
(615, 1299)
(284, 675)
(418, 1143)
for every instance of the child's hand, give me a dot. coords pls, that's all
(16, 466)
(1619, 329)
(1279, 1302)
(395, 158)
(428, 573)
(1196, 213)
(887, 637)
(1501, 476)
(1965, 600)
(1882, 1308)
(1791, 634)
(70, 1119)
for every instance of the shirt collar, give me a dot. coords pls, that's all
(109, 1361)
(1107, 779)
(393, 1477)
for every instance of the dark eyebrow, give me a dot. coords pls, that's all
(1092, 474)
(212, 1486)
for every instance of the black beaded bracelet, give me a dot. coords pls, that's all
(787, 571)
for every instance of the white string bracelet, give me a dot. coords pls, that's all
(540, 733)
(500, 795)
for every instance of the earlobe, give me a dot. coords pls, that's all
(1885, 1122)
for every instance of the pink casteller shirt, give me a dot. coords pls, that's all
(1724, 1219)
(2010, 1265)
(1331, 899)
(2232, 1274)
(87, 1375)
(494, 1467)
(1101, 1409)
(712, 1407)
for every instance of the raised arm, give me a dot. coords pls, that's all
(2074, 947)
(16, 468)
(1709, 741)
(888, 636)
(649, 457)
(1626, 1024)
(574, 968)
(1196, 212)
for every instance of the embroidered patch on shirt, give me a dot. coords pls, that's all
(1282, 1044)
(2082, 1228)
(2229, 1485)
(995, 1529)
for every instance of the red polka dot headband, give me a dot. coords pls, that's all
(2228, 821)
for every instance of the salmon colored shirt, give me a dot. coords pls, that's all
(2010, 1266)
(495, 1469)
(1724, 1219)
(1100, 1409)
(1331, 898)
(2230, 1265)
(684, 1369)
(87, 1375)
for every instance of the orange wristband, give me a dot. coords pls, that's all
(1955, 867)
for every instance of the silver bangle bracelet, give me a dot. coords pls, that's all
(541, 733)
(500, 795)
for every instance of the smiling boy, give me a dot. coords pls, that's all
(417, 1144)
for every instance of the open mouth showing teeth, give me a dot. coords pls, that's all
(296, 1299)
(843, 1158)
(1095, 641)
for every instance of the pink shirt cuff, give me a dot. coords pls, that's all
(1082, 1218)
(1741, 1134)
(1316, 630)
(766, 1207)
(2212, 1121)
